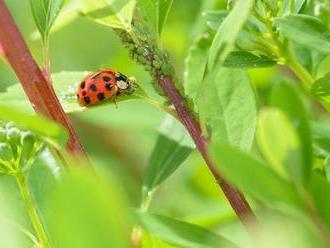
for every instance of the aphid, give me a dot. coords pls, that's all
(102, 85)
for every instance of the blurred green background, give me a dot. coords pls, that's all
(121, 139)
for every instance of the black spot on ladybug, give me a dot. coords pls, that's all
(82, 85)
(87, 100)
(93, 87)
(77, 95)
(96, 75)
(106, 78)
(108, 86)
(84, 93)
(100, 96)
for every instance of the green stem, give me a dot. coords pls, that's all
(283, 50)
(36, 222)
(45, 51)
(304, 76)
(137, 231)
(145, 204)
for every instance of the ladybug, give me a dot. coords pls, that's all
(102, 85)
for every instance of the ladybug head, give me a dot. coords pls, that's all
(124, 84)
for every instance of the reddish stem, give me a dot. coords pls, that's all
(235, 198)
(40, 93)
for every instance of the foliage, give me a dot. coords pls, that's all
(172, 147)
(255, 75)
(44, 14)
(113, 13)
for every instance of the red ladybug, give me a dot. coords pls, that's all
(102, 85)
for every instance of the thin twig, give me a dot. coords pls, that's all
(36, 87)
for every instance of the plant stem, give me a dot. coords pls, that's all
(35, 220)
(36, 87)
(299, 70)
(185, 116)
(235, 198)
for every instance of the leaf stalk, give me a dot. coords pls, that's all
(34, 217)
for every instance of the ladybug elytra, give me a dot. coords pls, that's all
(103, 85)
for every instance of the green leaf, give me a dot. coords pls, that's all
(243, 59)
(15, 224)
(327, 168)
(251, 175)
(164, 10)
(293, 107)
(226, 102)
(305, 30)
(155, 13)
(319, 189)
(10, 214)
(112, 13)
(64, 84)
(214, 18)
(196, 60)
(92, 213)
(172, 147)
(149, 240)
(321, 88)
(195, 65)
(297, 6)
(275, 229)
(179, 233)
(309, 58)
(37, 124)
(45, 13)
(150, 11)
(199, 26)
(228, 32)
(321, 138)
(43, 178)
(279, 144)
(69, 12)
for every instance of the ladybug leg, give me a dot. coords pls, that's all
(115, 102)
